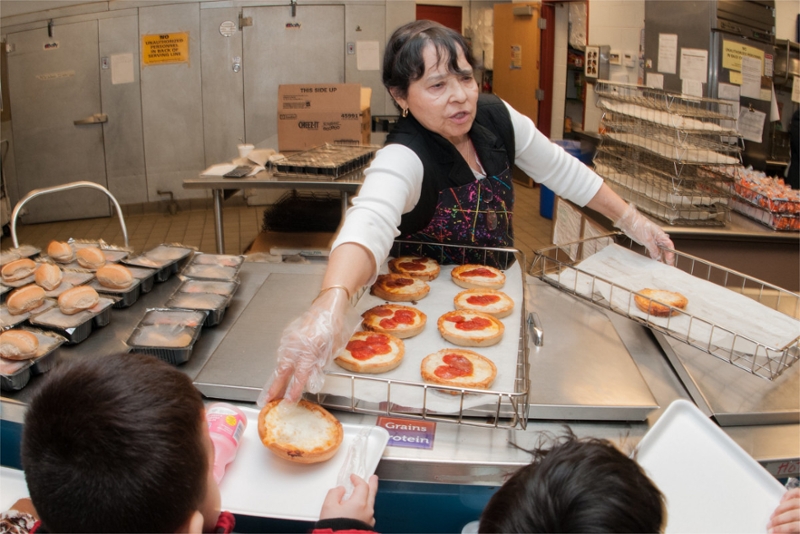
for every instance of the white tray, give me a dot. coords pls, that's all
(12, 481)
(258, 483)
(710, 483)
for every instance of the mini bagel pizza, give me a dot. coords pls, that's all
(399, 288)
(371, 352)
(458, 367)
(489, 301)
(400, 321)
(304, 433)
(660, 302)
(468, 328)
(478, 276)
(417, 267)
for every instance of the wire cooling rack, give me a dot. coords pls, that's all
(501, 409)
(555, 266)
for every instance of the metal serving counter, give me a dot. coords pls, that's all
(601, 369)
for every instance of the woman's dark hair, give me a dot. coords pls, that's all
(115, 444)
(577, 485)
(403, 62)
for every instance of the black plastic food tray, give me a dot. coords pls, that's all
(125, 297)
(173, 355)
(17, 380)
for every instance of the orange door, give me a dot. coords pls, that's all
(517, 52)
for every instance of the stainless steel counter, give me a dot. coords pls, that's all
(461, 454)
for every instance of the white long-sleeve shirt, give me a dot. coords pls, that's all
(393, 182)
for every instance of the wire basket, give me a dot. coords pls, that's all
(706, 110)
(560, 267)
(497, 408)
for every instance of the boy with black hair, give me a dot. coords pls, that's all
(577, 485)
(120, 444)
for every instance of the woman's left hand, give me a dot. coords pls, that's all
(646, 233)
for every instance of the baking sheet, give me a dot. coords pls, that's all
(258, 483)
(710, 483)
(14, 487)
(707, 301)
(434, 305)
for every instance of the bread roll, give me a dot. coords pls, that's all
(48, 276)
(25, 299)
(77, 299)
(60, 251)
(17, 270)
(90, 257)
(114, 276)
(305, 433)
(18, 345)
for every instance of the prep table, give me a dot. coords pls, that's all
(638, 382)
(221, 188)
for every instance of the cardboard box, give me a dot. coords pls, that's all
(310, 115)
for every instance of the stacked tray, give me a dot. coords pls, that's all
(15, 374)
(168, 334)
(75, 328)
(165, 259)
(326, 162)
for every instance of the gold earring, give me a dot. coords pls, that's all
(405, 112)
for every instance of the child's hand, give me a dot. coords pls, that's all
(786, 517)
(359, 506)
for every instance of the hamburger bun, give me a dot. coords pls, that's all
(660, 302)
(400, 321)
(114, 276)
(489, 301)
(25, 299)
(90, 257)
(459, 368)
(18, 345)
(371, 352)
(468, 328)
(60, 251)
(17, 270)
(304, 433)
(48, 276)
(399, 288)
(77, 299)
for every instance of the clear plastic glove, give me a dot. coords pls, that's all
(646, 233)
(308, 344)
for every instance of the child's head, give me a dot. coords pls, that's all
(578, 485)
(119, 444)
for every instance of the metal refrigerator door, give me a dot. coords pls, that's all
(281, 49)
(54, 81)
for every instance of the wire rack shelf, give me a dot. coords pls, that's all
(497, 408)
(555, 266)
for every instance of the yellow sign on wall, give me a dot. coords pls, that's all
(165, 48)
(732, 53)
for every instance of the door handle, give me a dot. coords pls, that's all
(97, 118)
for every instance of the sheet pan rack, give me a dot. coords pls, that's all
(555, 266)
(501, 409)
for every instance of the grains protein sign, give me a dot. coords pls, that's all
(165, 48)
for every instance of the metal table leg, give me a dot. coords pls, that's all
(218, 230)
(345, 198)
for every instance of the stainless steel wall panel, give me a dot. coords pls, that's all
(172, 105)
(223, 89)
(122, 102)
(366, 23)
(281, 49)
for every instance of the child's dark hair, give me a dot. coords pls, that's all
(115, 445)
(577, 485)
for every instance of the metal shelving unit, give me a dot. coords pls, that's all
(659, 151)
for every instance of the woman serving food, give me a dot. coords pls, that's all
(443, 177)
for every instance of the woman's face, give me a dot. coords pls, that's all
(441, 101)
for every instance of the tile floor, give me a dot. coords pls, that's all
(241, 223)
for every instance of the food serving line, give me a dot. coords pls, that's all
(574, 359)
(604, 375)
